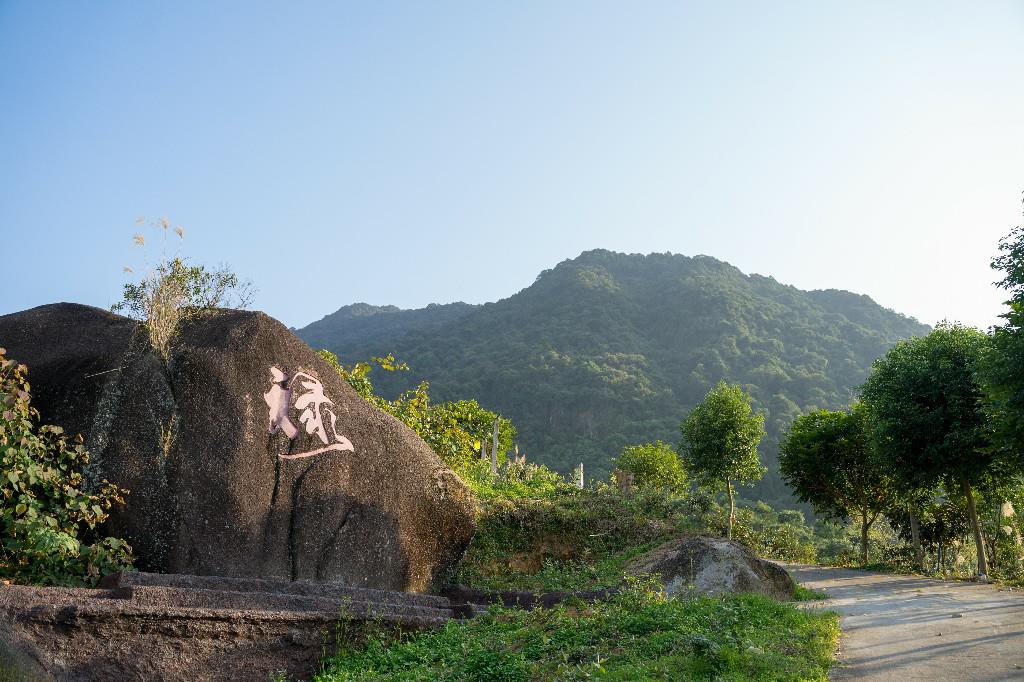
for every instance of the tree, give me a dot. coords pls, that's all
(720, 439)
(928, 413)
(830, 462)
(938, 520)
(1003, 366)
(653, 465)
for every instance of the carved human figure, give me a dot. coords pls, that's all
(310, 402)
(278, 399)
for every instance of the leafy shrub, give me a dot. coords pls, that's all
(454, 430)
(654, 465)
(49, 526)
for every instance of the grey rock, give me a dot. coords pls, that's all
(708, 566)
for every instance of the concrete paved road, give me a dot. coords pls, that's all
(905, 628)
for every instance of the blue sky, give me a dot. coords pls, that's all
(410, 153)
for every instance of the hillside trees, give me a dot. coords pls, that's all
(607, 350)
(720, 439)
(829, 461)
(928, 413)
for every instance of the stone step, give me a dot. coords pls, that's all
(178, 597)
(327, 590)
(90, 635)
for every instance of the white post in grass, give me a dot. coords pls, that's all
(494, 449)
(579, 475)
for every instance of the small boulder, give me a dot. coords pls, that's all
(245, 454)
(703, 565)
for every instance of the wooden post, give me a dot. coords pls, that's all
(579, 476)
(494, 449)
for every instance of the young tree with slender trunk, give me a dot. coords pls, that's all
(829, 461)
(927, 409)
(720, 439)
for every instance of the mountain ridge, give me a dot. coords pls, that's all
(608, 349)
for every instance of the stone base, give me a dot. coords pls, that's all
(144, 626)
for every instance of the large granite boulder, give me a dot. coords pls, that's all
(245, 454)
(708, 566)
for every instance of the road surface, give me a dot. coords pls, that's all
(906, 628)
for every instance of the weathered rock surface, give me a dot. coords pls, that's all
(245, 454)
(703, 565)
(171, 628)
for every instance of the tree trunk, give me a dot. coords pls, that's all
(864, 536)
(979, 542)
(732, 508)
(915, 538)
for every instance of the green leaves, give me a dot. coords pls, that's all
(927, 408)
(829, 461)
(47, 523)
(454, 429)
(654, 465)
(721, 435)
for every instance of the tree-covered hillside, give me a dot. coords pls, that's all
(611, 349)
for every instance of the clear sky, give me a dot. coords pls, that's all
(411, 153)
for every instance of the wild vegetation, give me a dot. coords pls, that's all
(172, 289)
(50, 526)
(537, 531)
(636, 635)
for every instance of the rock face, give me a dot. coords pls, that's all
(245, 454)
(705, 565)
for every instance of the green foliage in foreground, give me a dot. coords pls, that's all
(1003, 368)
(638, 635)
(48, 522)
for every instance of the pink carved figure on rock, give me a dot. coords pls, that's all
(310, 402)
(278, 398)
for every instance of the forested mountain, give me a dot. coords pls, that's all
(610, 349)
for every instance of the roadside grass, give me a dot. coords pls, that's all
(636, 635)
(806, 594)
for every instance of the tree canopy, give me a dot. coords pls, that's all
(1003, 368)
(829, 461)
(720, 439)
(928, 411)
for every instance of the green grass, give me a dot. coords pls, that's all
(805, 594)
(635, 636)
